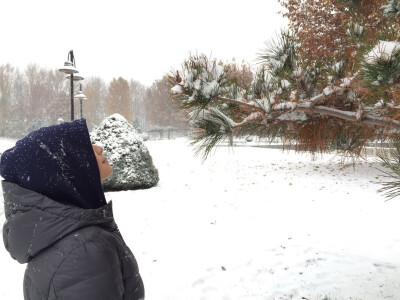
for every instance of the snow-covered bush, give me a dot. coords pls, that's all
(132, 163)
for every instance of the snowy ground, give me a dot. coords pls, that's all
(252, 224)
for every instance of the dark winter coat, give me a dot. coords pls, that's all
(73, 253)
(58, 220)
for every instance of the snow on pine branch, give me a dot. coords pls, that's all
(309, 106)
(177, 89)
(293, 116)
(355, 30)
(392, 9)
(251, 118)
(204, 83)
(382, 65)
(202, 78)
(213, 116)
(285, 106)
(384, 51)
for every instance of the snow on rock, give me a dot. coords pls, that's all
(384, 50)
(132, 163)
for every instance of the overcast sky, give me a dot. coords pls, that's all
(141, 40)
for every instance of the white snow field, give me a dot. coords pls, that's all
(254, 223)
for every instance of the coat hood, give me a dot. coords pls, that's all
(58, 162)
(34, 222)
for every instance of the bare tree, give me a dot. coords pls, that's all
(94, 110)
(119, 99)
(6, 82)
(138, 94)
(161, 111)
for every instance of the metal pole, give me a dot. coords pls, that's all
(72, 97)
(80, 88)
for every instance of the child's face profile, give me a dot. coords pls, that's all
(104, 166)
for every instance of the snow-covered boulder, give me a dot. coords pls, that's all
(132, 163)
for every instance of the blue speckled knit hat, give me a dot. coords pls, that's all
(58, 162)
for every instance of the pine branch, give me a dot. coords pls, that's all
(251, 105)
(250, 118)
(308, 106)
(391, 160)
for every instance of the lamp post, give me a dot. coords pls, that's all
(81, 96)
(69, 68)
(76, 78)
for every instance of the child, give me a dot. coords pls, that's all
(58, 220)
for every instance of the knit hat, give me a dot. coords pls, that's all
(59, 162)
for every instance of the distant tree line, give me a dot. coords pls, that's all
(37, 97)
